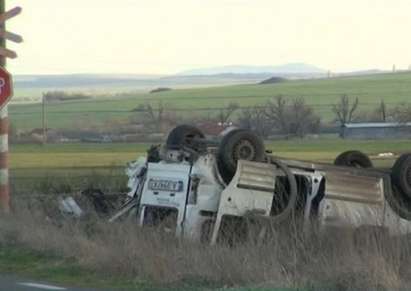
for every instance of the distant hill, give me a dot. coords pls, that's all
(138, 81)
(79, 80)
(283, 70)
(30, 85)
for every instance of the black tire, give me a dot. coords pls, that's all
(401, 174)
(184, 136)
(292, 191)
(355, 159)
(399, 202)
(238, 144)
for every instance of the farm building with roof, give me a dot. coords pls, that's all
(376, 130)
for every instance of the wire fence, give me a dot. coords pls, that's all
(193, 109)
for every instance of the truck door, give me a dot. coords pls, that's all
(164, 197)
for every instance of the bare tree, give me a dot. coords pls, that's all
(276, 111)
(304, 119)
(402, 113)
(156, 114)
(379, 114)
(293, 117)
(153, 115)
(344, 110)
(255, 119)
(225, 113)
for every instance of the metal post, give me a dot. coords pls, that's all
(43, 107)
(4, 137)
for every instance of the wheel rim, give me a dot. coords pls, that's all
(244, 150)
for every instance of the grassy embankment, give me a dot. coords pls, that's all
(40, 257)
(95, 253)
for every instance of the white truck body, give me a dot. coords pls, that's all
(193, 197)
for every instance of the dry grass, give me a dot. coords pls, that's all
(289, 259)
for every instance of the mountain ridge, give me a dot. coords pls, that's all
(284, 69)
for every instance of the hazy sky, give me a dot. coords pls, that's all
(167, 36)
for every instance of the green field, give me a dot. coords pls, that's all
(50, 168)
(393, 88)
(74, 155)
(81, 161)
(117, 155)
(88, 160)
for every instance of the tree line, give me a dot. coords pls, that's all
(290, 117)
(281, 115)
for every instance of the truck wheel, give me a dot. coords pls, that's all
(184, 136)
(401, 174)
(399, 202)
(285, 194)
(238, 144)
(355, 159)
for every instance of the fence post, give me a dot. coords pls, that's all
(43, 118)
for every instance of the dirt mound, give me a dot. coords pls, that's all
(273, 80)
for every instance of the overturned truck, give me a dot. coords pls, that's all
(197, 187)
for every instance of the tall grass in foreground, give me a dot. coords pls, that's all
(288, 259)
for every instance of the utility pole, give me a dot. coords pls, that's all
(4, 134)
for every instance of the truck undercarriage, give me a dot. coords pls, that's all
(211, 190)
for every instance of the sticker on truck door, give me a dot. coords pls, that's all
(169, 185)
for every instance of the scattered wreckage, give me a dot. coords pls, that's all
(197, 186)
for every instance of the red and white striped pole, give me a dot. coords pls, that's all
(6, 91)
(4, 160)
(4, 134)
